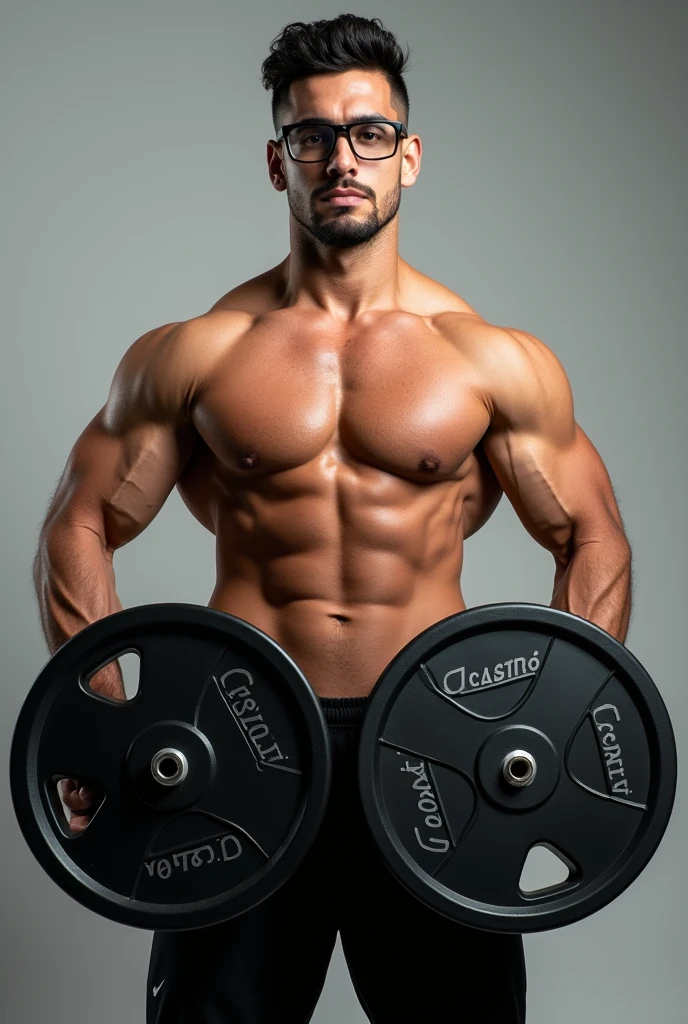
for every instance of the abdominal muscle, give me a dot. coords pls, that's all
(341, 611)
(341, 652)
(341, 579)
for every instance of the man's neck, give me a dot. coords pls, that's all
(344, 283)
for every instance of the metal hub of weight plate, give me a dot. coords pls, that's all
(508, 727)
(215, 774)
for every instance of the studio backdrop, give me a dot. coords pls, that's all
(551, 197)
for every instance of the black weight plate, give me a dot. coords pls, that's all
(440, 723)
(233, 704)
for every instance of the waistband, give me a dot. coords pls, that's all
(343, 712)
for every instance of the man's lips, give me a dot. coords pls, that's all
(344, 197)
(345, 200)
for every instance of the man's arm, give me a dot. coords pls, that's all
(117, 478)
(556, 480)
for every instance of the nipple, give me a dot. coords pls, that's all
(429, 464)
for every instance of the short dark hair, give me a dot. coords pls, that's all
(335, 44)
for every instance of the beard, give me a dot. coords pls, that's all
(345, 230)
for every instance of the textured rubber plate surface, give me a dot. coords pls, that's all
(235, 707)
(447, 715)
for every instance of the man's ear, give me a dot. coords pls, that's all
(278, 178)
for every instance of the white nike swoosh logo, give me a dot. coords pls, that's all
(156, 988)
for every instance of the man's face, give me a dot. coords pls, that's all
(340, 98)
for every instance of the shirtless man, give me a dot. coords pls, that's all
(341, 424)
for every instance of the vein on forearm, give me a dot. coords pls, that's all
(595, 583)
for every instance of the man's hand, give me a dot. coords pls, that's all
(79, 801)
(78, 796)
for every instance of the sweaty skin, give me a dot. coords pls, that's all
(340, 471)
(341, 424)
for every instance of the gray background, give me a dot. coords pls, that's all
(549, 197)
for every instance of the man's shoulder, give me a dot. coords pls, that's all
(188, 345)
(167, 367)
(208, 334)
(516, 372)
(513, 349)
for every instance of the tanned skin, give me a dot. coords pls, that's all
(341, 424)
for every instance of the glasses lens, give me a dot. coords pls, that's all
(311, 141)
(371, 140)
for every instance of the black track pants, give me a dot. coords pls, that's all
(408, 965)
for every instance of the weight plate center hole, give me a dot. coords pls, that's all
(519, 768)
(169, 767)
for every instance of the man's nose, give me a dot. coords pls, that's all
(343, 159)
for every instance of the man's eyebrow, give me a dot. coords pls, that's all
(375, 116)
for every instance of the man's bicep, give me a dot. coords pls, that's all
(561, 492)
(116, 483)
(547, 466)
(125, 463)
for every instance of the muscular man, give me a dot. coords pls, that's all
(340, 423)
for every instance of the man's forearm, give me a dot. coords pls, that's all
(75, 586)
(595, 583)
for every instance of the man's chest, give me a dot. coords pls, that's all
(397, 396)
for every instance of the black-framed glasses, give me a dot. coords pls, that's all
(310, 142)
